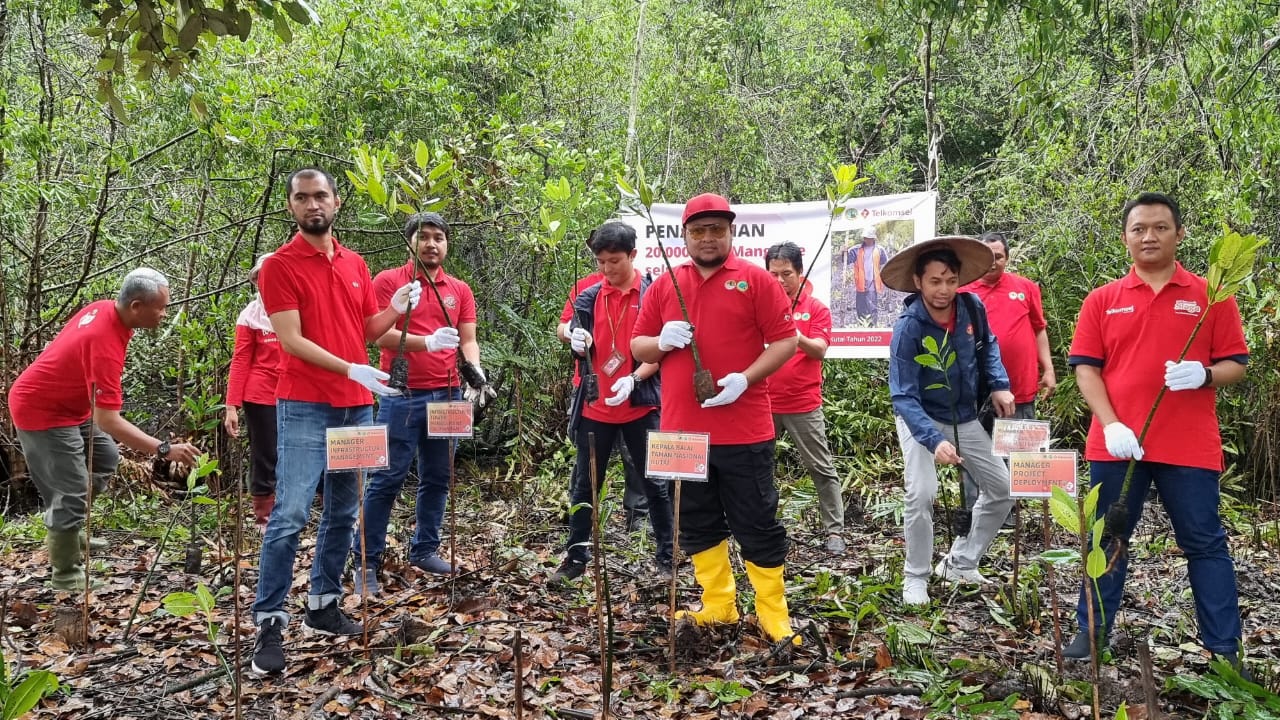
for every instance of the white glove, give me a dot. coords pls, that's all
(623, 388)
(370, 377)
(479, 396)
(580, 340)
(734, 385)
(1121, 442)
(1185, 375)
(445, 338)
(675, 334)
(407, 297)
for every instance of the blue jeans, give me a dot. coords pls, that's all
(300, 467)
(406, 421)
(1190, 497)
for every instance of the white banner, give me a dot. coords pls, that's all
(862, 321)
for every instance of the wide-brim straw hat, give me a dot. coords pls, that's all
(975, 260)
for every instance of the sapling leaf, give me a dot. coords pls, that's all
(930, 344)
(1096, 564)
(1122, 712)
(33, 687)
(1091, 501)
(181, 604)
(421, 154)
(1099, 529)
(1060, 556)
(929, 361)
(1064, 509)
(204, 598)
(936, 386)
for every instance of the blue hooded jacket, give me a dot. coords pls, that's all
(909, 380)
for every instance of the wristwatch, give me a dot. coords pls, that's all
(163, 449)
(1208, 377)
(635, 378)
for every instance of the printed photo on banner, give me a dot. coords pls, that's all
(1009, 435)
(845, 274)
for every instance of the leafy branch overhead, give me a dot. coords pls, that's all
(149, 37)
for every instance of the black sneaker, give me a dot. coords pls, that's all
(665, 570)
(330, 620)
(268, 649)
(1078, 648)
(570, 569)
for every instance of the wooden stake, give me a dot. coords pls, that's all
(1053, 588)
(675, 572)
(1148, 680)
(237, 538)
(518, 655)
(88, 513)
(364, 561)
(1016, 596)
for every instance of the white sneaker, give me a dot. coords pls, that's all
(950, 573)
(915, 592)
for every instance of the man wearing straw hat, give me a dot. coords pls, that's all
(936, 408)
(741, 322)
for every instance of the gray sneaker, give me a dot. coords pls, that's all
(835, 544)
(433, 564)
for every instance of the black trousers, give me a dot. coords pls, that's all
(261, 423)
(740, 499)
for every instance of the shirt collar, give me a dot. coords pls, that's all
(411, 270)
(1181, 277)
(607, 289)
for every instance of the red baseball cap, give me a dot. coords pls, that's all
(706, 204)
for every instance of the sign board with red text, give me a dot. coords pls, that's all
(1009, 435)
(356, 447)
(1033, 474)
(449, 420)
(673, 455)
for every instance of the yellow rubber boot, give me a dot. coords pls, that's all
(771, 602)
(719, 594)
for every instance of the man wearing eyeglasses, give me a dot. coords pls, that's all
(742, 326)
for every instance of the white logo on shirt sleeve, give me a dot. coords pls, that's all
(88, 318)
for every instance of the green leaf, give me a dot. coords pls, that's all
(280, 24)
(302, 13)
(1064, 510)
(23, 698)
(929, 361)
(1091, 502)
(1060, 556)
(1122, 712)
(930, 343)
(377, 192)
(936, 386)
(1096, 564)
(421, 154)
(204, 598)
(624, 187)
(181, 604)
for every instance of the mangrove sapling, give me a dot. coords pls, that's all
(941, 358)
(639, 199)
(839, 193)
(186, 604)
(1231, 259)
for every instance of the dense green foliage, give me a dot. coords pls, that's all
(1042, 118)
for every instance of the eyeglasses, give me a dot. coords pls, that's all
(713, 231)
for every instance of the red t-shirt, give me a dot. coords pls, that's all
(615, 319)
(255, 367)
(1130, 332)
(53, 391)
(428, 370)
(797, 386)
(735, 312)
(333, 298)
(1016, 315)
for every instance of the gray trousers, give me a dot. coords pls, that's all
(809, 433)
(921, 478)
(57, 459)
(1021, 411)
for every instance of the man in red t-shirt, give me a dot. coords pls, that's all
(742, 322)
(1127, 351)
(66, 407)
(633, 494)
(320, 301)
(438, 329)
(1017, 320)
(600, 334)
(795, 390)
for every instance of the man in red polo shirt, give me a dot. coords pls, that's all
(73, 388)
(1128, 341)
(795, 390)
(1017, 320)
(744, 332)
(601, 332)
(633, 494)
(432, 345)
(320, 301)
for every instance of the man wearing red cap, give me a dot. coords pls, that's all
(742, 325)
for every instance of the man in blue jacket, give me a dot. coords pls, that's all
(935, 403)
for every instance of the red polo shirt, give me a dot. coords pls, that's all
(1016, 315)
(53, 391)
(428, 370)
(797, 386)
(255, 367)
(1130, 332)
(333, 298)
(615, 319)
(735, 312)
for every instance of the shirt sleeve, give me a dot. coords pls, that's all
(649, 323)
(820, 323)
(368, 302)
(1228, 341)
(567, 313)
(773, 312)
(1086, 344)
(241, 359)
(106, 365)
(384, 286)
(278, 286)
(1036, 306)
(466, 304)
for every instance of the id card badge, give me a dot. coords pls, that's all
(614, 362)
